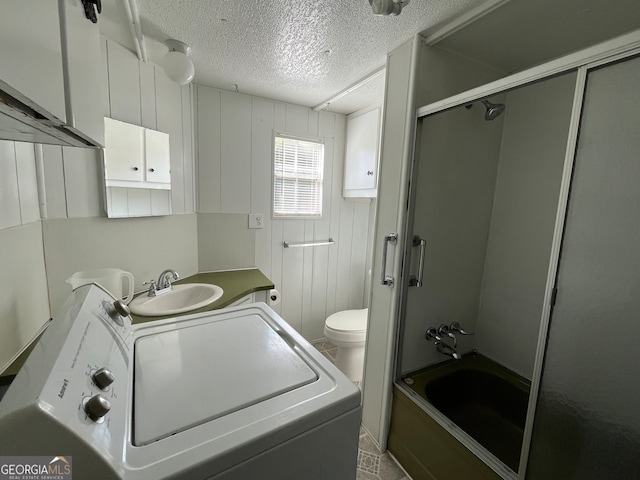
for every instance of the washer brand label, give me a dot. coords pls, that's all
(63, 389)
(35, 468)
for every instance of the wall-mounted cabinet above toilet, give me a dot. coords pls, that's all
(361, 155)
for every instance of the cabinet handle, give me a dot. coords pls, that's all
(135, 169)
(384, 278)
(369, 172)
(152, 169)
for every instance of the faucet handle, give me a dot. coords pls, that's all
(456, 327)
(432, 334)
(152, 287)
(445, 330)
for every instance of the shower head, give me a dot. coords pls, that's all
(493, 109)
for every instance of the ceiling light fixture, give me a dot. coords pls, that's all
(177, 64)
(387, 7)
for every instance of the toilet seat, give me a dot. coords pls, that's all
(347, 326)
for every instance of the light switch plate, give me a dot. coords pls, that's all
(256, 220)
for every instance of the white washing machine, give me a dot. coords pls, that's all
(235, 394)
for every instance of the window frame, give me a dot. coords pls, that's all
(304, 138)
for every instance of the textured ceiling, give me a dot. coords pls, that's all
(302, 51)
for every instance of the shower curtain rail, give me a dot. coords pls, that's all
(308, 244)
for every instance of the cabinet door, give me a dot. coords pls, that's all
(31, 55)
(361, 157)
(83, 70)
(124, 152)
(158, 157)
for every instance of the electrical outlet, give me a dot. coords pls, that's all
(256, 220)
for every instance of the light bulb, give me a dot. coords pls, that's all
(178, 67)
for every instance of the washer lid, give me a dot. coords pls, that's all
(194, 374)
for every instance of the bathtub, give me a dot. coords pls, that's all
(486, 400)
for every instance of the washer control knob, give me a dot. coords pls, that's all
(96, 407)
(103, 378)
(121, 308)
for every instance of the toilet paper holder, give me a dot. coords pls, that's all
(273, 297)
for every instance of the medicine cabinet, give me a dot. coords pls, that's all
(137, 170)
(361, 154)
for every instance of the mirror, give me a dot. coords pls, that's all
(137, 171)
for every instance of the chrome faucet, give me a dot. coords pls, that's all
(166, 277)
(439, 335)
(447, 349)
(163, 285)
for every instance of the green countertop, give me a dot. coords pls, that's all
(235, 284)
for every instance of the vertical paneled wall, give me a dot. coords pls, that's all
(234, 146)
(24, 305)
(76, 226)
(132, 92)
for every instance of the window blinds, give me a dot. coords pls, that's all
(298, 170)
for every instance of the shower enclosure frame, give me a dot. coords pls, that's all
(618, 48)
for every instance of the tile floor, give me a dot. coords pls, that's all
(372, 463)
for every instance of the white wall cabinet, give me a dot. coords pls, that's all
(136, 157)
(50, 61)
(31, 55)
(82, 66)
(361, 156)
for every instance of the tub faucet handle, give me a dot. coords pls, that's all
(432, 334)
(445, 330)
(456, 327)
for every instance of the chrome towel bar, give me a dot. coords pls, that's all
(307, 244)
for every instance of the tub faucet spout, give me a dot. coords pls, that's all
(447, 349)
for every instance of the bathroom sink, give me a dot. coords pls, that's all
(182, 298)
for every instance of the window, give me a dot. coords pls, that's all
(298, 165)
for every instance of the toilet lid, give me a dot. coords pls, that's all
(348, 320)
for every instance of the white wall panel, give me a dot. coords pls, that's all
(148, 114)
(320, 273)
(297, 120)
(83, 181)
(235, 153)
(307, 276)
(334, 189)
(9, 200)
(55, 197)
(24, 305)
(187, 149)
(262, 118)
(124, 84)
(292, 273)
(118, 201)
(138, 202)
(169, 114)
(106, 101)
(27, 182)
(277, 255)
(359, 240)
(208, 149)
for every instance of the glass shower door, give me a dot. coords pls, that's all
(587, 421)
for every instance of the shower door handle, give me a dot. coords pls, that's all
(384, 278)
(422, 243)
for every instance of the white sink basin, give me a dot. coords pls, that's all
(182, 298)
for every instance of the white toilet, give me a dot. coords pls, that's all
(347, 330)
